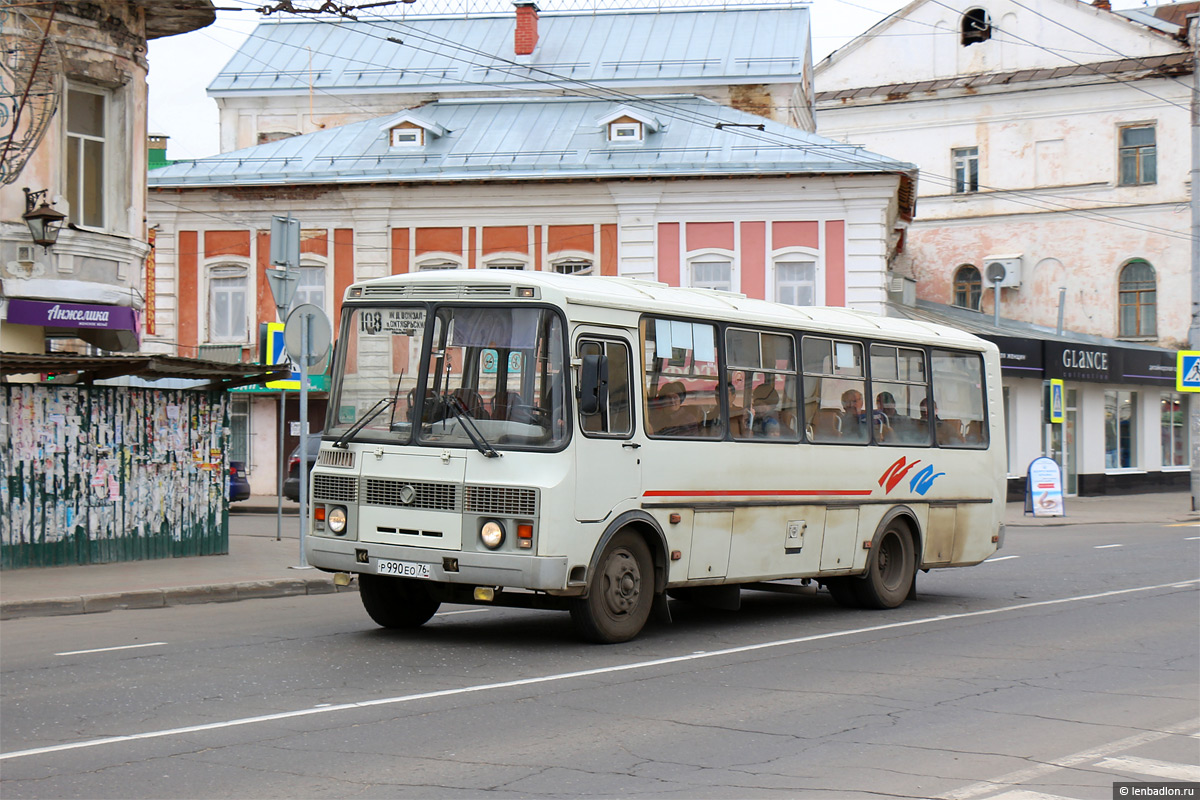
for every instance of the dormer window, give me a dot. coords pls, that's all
(976, 27)
(626, 125)
(406, 136)
(625, 132)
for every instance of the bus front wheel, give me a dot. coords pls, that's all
(396, 602)
(890, 570)
(620, 593)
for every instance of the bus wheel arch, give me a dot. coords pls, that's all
(625, 576)
(890, 577)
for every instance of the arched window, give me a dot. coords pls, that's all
(968, 286)
(1137, 300)
(976, 27)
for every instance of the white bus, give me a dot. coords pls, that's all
(596, 444)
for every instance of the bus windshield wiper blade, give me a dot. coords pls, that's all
(468, 423)
(373, 412)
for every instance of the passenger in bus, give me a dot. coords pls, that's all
(855, 427)
(886, 419)
(669, 415)
(764, 418)
(739, 428)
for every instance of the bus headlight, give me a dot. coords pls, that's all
(336, 520)
(492, 534)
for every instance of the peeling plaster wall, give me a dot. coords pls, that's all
(98, 474)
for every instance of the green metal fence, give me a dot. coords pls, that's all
(90, 475)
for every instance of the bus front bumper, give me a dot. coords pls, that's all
(540, 573)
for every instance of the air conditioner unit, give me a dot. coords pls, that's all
(1006, 269)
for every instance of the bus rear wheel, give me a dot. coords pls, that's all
(890, 570)
(396, 602)
(620, 593)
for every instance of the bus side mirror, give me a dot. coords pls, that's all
(593, 384)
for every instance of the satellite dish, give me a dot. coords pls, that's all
(996, 272)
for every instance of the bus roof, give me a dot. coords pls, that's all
(642, 296)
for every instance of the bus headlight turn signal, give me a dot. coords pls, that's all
(492, 534)
(336, 519)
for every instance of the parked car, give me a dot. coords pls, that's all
(291, 485)
(239, 486)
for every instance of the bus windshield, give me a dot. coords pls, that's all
(494, 377)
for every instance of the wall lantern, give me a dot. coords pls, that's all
(43, 221)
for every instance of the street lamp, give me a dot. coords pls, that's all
(43, 221)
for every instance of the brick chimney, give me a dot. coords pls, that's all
(1104, 4)
(527, 35)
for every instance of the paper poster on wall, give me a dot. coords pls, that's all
(1043, 488)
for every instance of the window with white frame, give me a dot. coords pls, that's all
(311, 288)
(239, 429)
(1120, 430)
(711, 273)
(966, 169)
(796, 282)
(572, 266)
(406, 137)
(621, 132)
(86, 155)
(506, 263)
(227, 304)
(432, 264)
(1174, 426)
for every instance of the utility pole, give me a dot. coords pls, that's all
(1194, 188)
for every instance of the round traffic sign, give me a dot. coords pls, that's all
(320, 335)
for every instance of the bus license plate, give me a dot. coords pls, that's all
(402, 569)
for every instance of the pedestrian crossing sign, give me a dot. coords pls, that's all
(1187, 371)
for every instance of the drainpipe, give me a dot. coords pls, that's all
(1194, 330)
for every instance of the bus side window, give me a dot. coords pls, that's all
(615, 417)
(959, 409)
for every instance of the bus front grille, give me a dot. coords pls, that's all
(335, 488)
(430, 496)
(501, 501)
(335, 458)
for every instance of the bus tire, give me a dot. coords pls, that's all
(843, 591)
(891, 569)
(396, 602)
(620, 592)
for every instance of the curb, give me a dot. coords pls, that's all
(161, 598)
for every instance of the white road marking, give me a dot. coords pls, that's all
(110, 649)
(1021, 794)
(1067, 762)
(588, 673)
(1183, 525)
(1163, 770)
(466, 611)
(1192, 539)
(998, 558)
(1106, 546)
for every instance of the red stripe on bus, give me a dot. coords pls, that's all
(761, 493)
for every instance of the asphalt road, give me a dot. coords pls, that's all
(1070, 661)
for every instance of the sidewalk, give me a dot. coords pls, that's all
(258, 565)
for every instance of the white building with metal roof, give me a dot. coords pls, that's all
(298, 76)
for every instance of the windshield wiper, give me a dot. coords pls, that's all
(468, 423)
(373, 412)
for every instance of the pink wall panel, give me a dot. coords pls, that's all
(702, 235)
(754, 259)
(794, 234)
(835, 262)
(668, 253)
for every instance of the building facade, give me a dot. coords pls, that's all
(75, 79)
(1049, 188)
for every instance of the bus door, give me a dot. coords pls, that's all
(607, 462)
